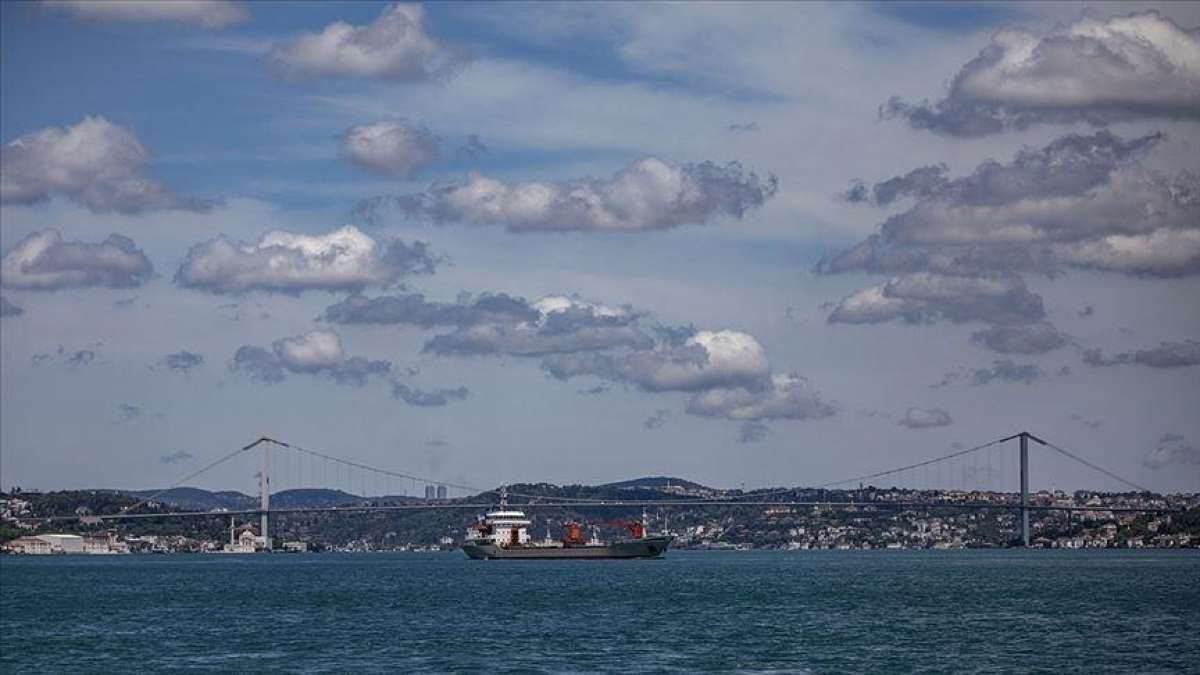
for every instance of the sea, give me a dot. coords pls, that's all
(1001, 611)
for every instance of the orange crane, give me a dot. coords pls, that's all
(636, 529)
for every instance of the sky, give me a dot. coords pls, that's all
(743, 244)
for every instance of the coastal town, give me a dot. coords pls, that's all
(862, 519)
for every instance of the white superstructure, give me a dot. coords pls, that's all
(503, 527)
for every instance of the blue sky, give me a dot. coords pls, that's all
(585, 151)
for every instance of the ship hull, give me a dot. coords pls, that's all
(650, 547)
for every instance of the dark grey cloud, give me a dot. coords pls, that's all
(743, 128)
(649, 194)
(127, 412)
(1081, 201)
(1037, 338)
(1171, 449)
(177, 457)
(1087, 310)
(314, 353)
(258, 363)
(392, 148)
(656, 420)
(921, 182)
(8, 308)
(427, 397)
(1089, 423)
(494, 325)
(925, 418)
(1180, 354)
(1096, 71)
(413, 309)
(80, 357)
(396, 46)
(1006, 370)
(752, 432)
(924, 297)
(44, 261)
(286, 262)
(95, 163)
(183, 361)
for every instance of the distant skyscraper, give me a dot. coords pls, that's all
(429, 492)
(441, 492)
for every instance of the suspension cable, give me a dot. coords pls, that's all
(1102, 470)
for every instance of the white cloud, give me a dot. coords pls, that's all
(43, 261)
(211, 14)
(391, 148)
(1094, 70)
(94, 162)
(649, 194)
(787, 397)
(314, 353)
(395, 46)
(928, 297)
(310, 351)
(706, 359)
(344, 259)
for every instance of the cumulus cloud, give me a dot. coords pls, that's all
(649, 194)
(1171, 449)
(925, 418)
(427, 397)
(44, 261)
(1094, 70)
(8, 308)
(396, 46)
(286, 262)
(95, 163)
(1007, 370)
(557, 324)
(726, 372)
(413, 309)
(783, 397)
(210, 14)
(753, 432)
(393, 148)
(317, 352)
(177, 457)
(1080, 201)
(1037, 338)
(1180, 354)
(182, 361)
(927, 297)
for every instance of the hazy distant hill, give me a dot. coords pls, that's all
(197, 499)
(656, 482)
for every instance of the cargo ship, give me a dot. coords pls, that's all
(503, 534)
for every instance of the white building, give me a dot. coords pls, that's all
(63, 543)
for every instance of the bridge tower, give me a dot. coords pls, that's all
(264, 493)
(1024, 438)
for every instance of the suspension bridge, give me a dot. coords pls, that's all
(972, 478)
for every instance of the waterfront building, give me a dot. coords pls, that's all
(30, 546)
(63, 543)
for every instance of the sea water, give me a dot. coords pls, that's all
(755, 611)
